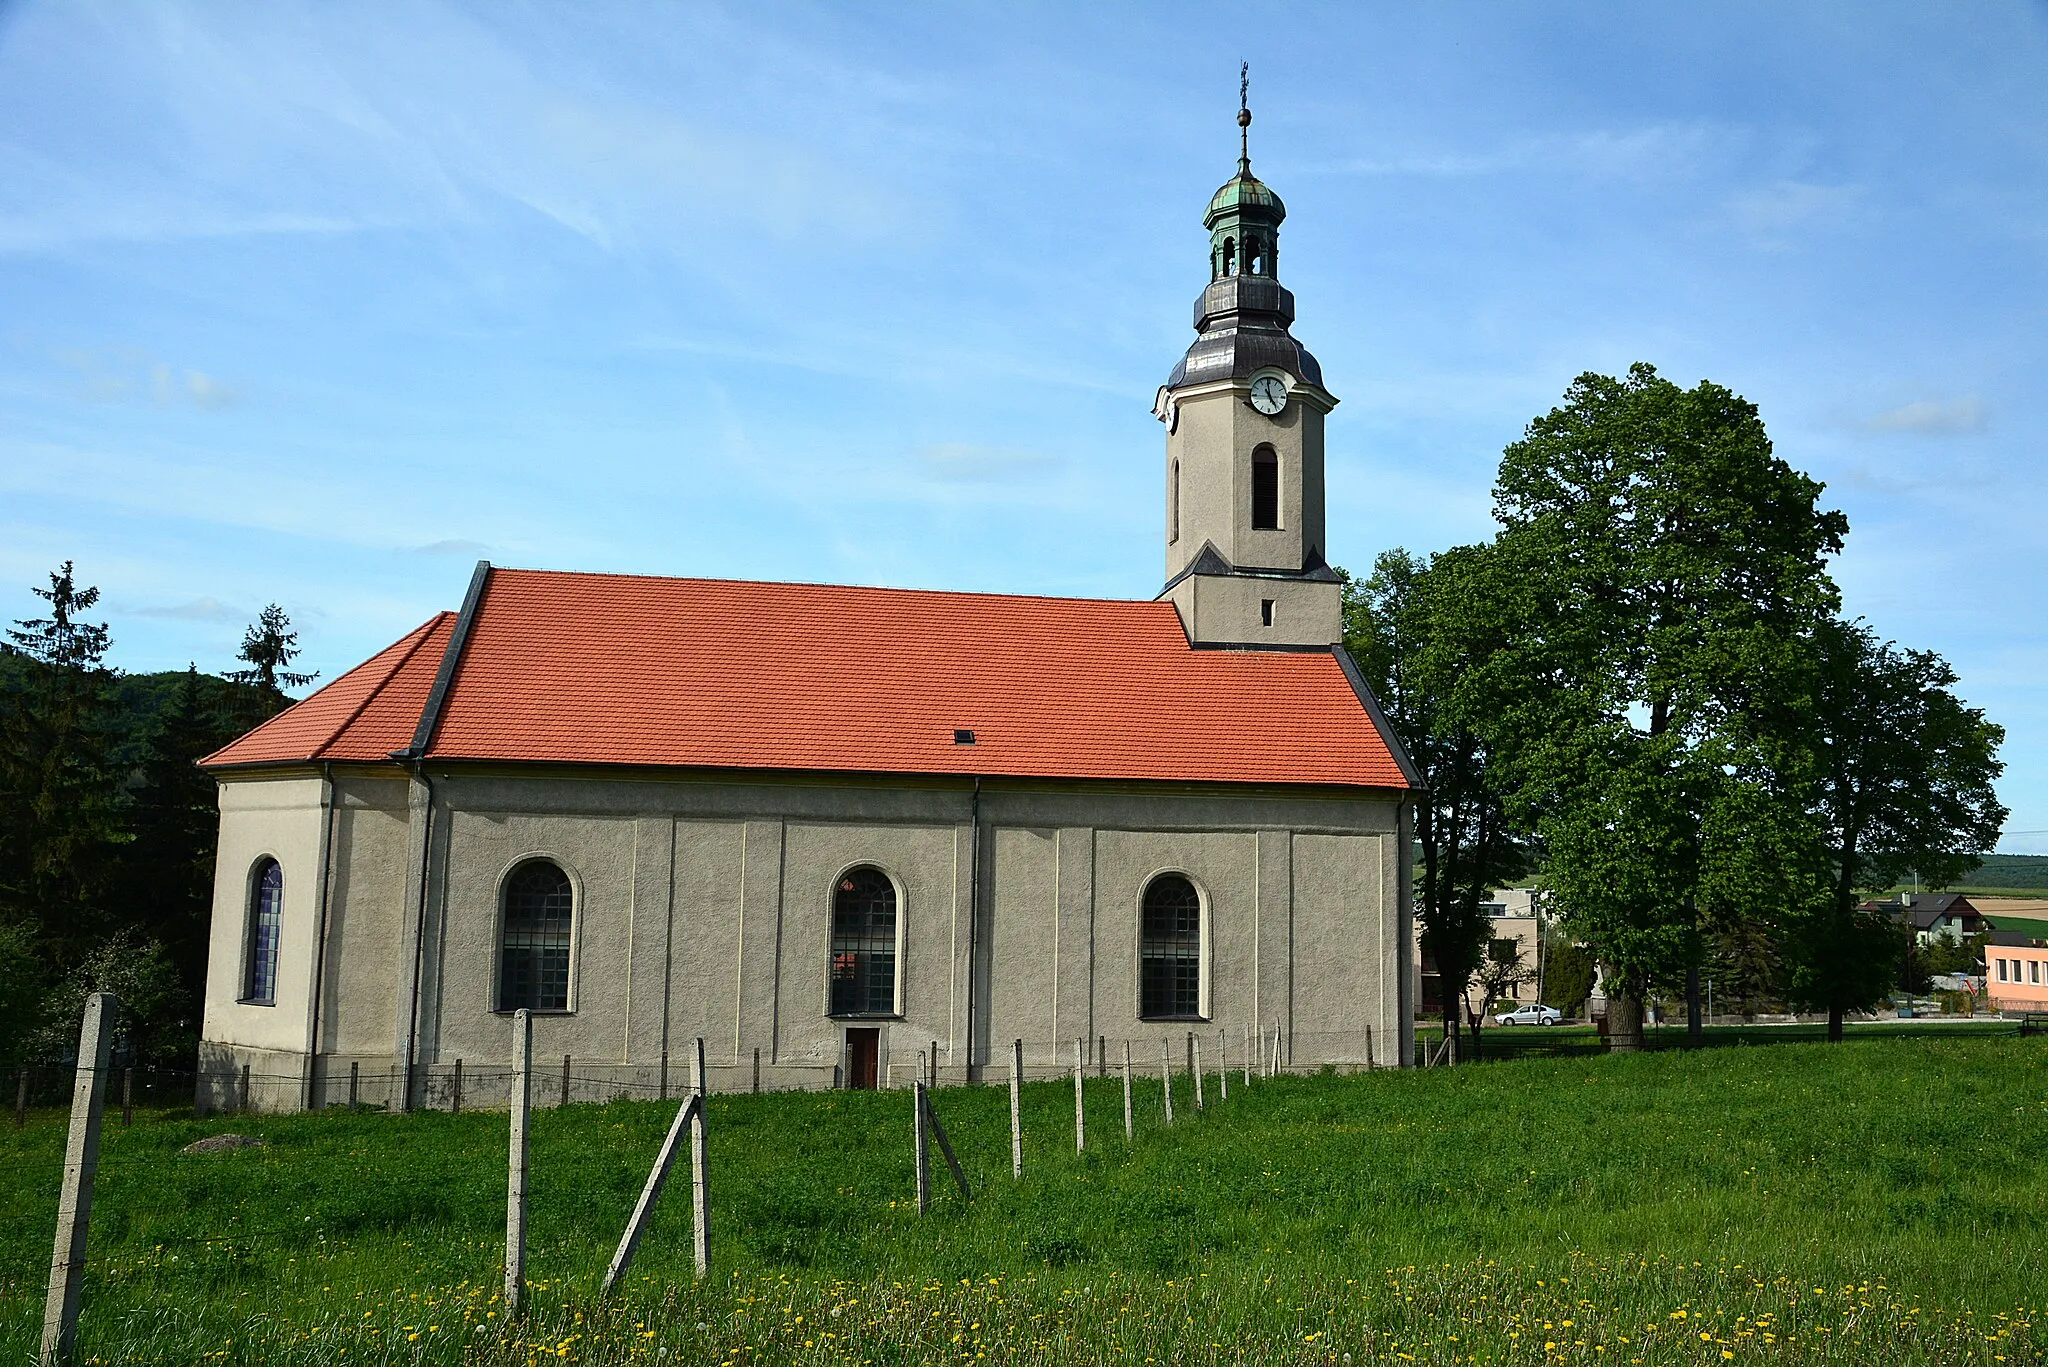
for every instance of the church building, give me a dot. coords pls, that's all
(829, 830)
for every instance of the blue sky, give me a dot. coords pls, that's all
(318, 304)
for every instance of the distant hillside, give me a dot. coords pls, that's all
(2019, 875)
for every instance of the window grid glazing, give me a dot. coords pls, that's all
(1170, 950)
(266, 923)
(533, 963)
(864, 944)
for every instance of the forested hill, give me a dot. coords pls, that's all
(2010, 872)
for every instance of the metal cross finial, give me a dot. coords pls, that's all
(1244, 117)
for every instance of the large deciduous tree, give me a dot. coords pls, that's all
(1901, 781)
(1428, 636)
(1673, 567)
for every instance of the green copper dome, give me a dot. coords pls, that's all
(1243, 191)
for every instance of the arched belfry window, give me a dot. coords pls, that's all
(1265, 489)
(864, 944)
(1170, 950)
(1173, 505)
(266, 923)
(535, 927)
(1254, 256)
(1230, 256)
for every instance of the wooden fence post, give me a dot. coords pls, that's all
(1166, 1076)
(1016, 1110)
(698, 1082)
(565, 1082)
(933, 1076)
(354, 1076)
(244, 1098)
(661, 1087)
(515, 1180)
(757, 1067)
(81, 1158)
(1195, 1067)
(1102, 1056)
(21, 1099)
(924, 1161)
(657, 1178)
(128, 1097)
(1130, 1131)
(455, 1100)
(1370, 1062)
(1080, 1111)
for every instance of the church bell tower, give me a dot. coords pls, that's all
(1244, 416)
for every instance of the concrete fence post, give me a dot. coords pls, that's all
(699, 1082)
(700, 1178)
(81, 1159)
(1195, 1067)
(1080, 1110)
(1166, 1076)
(1016, 1110)
(643, 1209)
(1223, 1064)
(1247, 1053)
(1130, 1130)
(515, 1178)
(918, 1146)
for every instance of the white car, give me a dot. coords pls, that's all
(1531, 1014)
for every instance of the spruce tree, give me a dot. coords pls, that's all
(61, 802)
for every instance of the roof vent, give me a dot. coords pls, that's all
(963, 737)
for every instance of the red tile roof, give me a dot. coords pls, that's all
(616, 669)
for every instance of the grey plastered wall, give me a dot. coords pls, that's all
(704, 908)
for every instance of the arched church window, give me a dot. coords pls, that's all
(1173, 505)
(1265, 489)
(538, 918)
(864, 944)
(1170, 950)
(1230, 256)
(266, 924)
(1254, 256)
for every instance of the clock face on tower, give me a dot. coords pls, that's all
(1269, 394)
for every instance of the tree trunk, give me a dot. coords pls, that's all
(1624, 1015)
(1835, 1025)
(1695, 1021)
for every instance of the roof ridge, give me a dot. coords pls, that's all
(823, 584)
(419, 637)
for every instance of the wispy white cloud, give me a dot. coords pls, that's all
(207, 609)
(453, 546)
(1770, 213)
(1965, 416)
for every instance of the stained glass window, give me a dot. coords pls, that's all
(266, 922)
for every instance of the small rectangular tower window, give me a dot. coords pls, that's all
(1265, 490)
(1265, 612)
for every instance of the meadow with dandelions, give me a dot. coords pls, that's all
(1882, 1202)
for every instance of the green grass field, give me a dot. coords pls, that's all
(1883, 1202)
